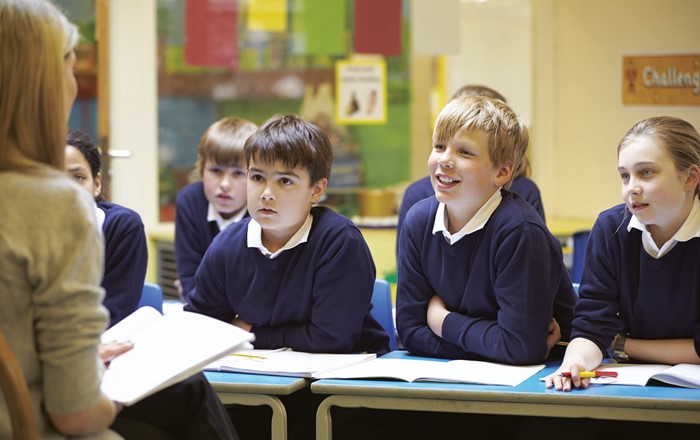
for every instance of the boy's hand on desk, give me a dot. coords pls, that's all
(437, 312)
(111, 350)
(238, 322)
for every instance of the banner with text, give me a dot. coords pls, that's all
(661, 80)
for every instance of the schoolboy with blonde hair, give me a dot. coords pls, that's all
(508, 297)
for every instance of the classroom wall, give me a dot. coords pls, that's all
(578, 116)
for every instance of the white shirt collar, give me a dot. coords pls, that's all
(474, 224)
(299, 237)
(214, 215)
(689, 230)
(100, 215)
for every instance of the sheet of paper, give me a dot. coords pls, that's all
(167, 349)
(456, 371)
(286, 362)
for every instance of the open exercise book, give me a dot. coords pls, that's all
(456, 371)
(285, 362)
(682, 375)
(167, 349)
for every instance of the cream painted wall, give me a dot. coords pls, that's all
(496, 51)
(578, 115)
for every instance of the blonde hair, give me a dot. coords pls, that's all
(223, 142)
(678, 136)
(35, 39)
(508, 134)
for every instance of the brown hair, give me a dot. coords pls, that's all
(679, 136)
(477, 90)
(294, 142)
(223, 142)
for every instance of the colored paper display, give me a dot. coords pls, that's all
(319, 27)
(211, 33)
(378, 27)
(267, 15)
(435, 27)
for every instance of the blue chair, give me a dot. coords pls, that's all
(152, 295)
(580, 238)
(383, 310)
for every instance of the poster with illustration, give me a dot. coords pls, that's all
(360, 91)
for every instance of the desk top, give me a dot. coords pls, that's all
(224, 382)
(531, 391)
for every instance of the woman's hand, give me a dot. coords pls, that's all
(110, 350)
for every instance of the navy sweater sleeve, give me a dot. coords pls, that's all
(314, 297)
(193, 233)
(502, 285)
(126, 260)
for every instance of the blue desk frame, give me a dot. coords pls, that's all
(256, 390)
(531, 398)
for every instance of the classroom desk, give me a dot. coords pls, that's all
(531, 398)
(256, 390)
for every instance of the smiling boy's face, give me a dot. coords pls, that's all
(462, 174)
(280, 199)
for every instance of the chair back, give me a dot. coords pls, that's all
(580, 238)
(152, 295)
(16, 394)
(383, 310)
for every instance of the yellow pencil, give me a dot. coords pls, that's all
(249, 356)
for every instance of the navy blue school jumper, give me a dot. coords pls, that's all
(503, 283)
(126, 260)
(624, 289)
(422, 189)
(314, 297)
(193, 233)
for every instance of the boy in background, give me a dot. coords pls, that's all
(294, 274)
(206, 207)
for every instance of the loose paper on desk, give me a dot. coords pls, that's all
(167, 349)
(456, 371)
(682, 375)
(285, 362)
